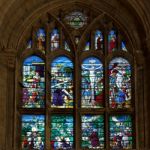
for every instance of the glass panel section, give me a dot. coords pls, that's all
(119, 83)
(41, 38)
(62, 83)
(67, 46)
(123, 46)
(76, 19)
(112, 41)
(29, 44)
(33, 132)
(88, 44)
(121, 132)
(93, 132)
(62, 134)
(55, 37)
(92, 83)
(99, 40)
(33, 83)
(77, 39)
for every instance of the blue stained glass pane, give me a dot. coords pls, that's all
(93, 131)
(33, 60)
(41, 38)
(62, 83)
(33, 132)
(33, 83)
(55, 39)
(112, 41)
(121, 134)
(87, 46)
(62, 134)
(92, 83)
(123, 46)
(98, 40)
(119, 83)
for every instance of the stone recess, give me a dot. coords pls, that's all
(17, 16)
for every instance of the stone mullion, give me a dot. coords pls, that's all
(106, 89)
(77, 101)
(92, 40)
(119, 41)
(47, 96)
(139, 108)
(61, 38)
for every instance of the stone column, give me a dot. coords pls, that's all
(139, 100)
(7, 101)
(147, 101)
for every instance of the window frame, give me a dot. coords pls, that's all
(77, 55)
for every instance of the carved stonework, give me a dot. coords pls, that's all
(7, 57)
(2, 46)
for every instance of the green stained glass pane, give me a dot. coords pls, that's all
(121, 135)
(62, 135)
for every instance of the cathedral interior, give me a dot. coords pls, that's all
(74, 74)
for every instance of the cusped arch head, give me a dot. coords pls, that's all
(100, 6)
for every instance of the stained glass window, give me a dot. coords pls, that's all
(99, 40)
(93, 131)
(29, 44)
(33, 132)
(55, 39)
(62, 133)
(33, 83)
(78, 94)
(119, 83)
(123, 46)
(121, 134)
(88, 44)
(112, 41)
(76, 19)
(67, 46)
(92, 83)
(77, 39)
(41, 38)
(62, 83)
